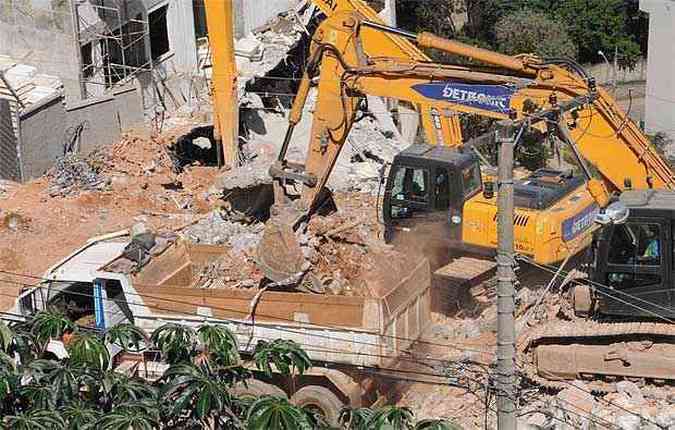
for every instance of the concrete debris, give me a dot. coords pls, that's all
(72, 174)
(628, 422)
(249, 47)
(214, 230)
(577, 398)
(26, 83)
(632, 391)
(273, 45)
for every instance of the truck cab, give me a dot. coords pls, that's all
(632, 263)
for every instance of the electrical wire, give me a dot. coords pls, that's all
(602, 289)
(251, 323)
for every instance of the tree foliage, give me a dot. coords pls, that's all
(585, 26)
(527, 31)
(592, 25)
(82, 391)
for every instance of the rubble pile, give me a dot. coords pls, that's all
(72, 174)
(214, 229)
(343, 249)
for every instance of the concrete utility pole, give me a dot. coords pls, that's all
(220, 20)
(506, 331)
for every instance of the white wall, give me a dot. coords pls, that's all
(250, 14)
(660, 97)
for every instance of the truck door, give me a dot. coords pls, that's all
(637, 269)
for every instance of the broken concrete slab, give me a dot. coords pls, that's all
(249, 47)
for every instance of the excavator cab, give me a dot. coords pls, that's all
(632, 263)
(424, 196)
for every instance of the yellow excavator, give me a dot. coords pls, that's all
(435, 192)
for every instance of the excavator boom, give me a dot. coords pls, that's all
(344, 70)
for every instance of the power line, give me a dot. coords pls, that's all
(246, 313)
(603, 288)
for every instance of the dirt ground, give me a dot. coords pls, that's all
(37, 230)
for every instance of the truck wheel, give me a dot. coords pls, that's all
(256, 388)
(320, 400)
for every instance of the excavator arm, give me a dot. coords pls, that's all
(508, 87)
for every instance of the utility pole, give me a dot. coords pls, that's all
(506, 331)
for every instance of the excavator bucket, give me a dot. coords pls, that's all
(279, 254)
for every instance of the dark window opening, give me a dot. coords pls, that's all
(159, 34)
(125, 52)
(115, 294)
(87, 60)
(410, 185)
(199, 13)
(76, 302)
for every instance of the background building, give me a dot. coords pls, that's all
(660, 93)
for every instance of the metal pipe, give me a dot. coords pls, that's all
(287, 141)
(391, 30)
(506, 331)
(429, 40)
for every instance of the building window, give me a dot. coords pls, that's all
(124, 51)
(159, 35)
(199, 13)
(87, 60)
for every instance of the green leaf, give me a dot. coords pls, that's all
(176, 342)
(137, 416)
(193, 391)
(430, 424)
(80, 416)
(355, 419)
(286, 355)
(6, 337)
(39, 419)
(219, 343)
(276, 413)
(398, 417)
(50, 324)
(89, 350)
(39, 396)
(127, 336)
(63, 378)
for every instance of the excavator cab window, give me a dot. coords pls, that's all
(633, 258)
(634, 243)
(442, 189)
(472, 181)
(410, 187)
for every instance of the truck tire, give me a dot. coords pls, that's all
(257, 388)
(319, 399)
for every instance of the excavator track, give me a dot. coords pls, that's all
(556, 353)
